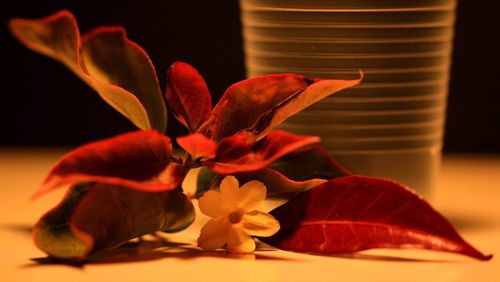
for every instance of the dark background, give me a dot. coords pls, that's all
(42, 103)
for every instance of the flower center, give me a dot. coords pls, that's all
(235, 217)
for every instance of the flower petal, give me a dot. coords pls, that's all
(238, 241)
(229, 188)
(260, 224)
(211, 204)
(252, 194)
(214, 234)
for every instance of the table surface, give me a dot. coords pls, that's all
(468, 194)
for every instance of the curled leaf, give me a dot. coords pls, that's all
(254, 106)
(117, 68)
(243, 102)
(93, 217)
(188, 95)
(235, 155)
(296, 103)
(297, 172)
(140, 160)
(356, 213)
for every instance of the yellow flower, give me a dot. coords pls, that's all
(234, 218)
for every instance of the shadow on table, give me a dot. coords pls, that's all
(146, 250)
(388, 258)
(156, 250)
(18, 228)
(161, 248)
(152, 250)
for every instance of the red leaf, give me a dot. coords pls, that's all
(256, 105)
(243, 102)
(188, 95)
(139, 160)
(111, 57)
(117, 68)
(356, 213)
(296, 103)
(198, 145)
(235, 155)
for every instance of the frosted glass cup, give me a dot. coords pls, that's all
(391, 125)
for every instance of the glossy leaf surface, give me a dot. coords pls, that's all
(117, 68)
(245, 101)
(356, 213)
(97, 216)
(235, 155)
(140, 160)
(296, 103)
(256, 105)
(188, 95)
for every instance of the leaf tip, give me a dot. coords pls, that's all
(361, 75)
(474, 253)
(48, 184)
(486, 257)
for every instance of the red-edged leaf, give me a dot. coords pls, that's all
(235, 155)
(297, 172)
(294, 104)
(198, 145)
(258, 104)
(245, 101)
(356, 213)
(117, 68)
(188, 95)
(92, 217)
(110, 57)
(140, 160)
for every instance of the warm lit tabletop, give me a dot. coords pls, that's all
(469, 195)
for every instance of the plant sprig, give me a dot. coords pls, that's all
(129, 185)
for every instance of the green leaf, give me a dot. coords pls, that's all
(117, 68)
(93, 217)
(308, 163)
(297, 172)
(206, 180)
